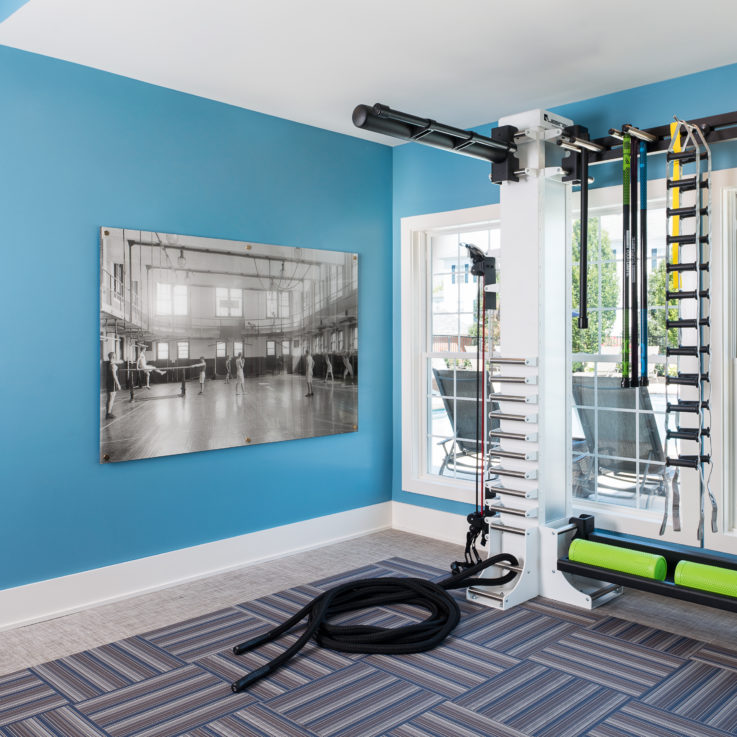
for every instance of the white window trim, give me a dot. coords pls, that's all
(414, 233)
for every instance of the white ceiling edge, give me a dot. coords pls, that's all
(312, 63)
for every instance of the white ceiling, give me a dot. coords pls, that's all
(463, 62)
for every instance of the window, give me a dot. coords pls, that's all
(333, 342)
(283, 304)
(237, 347)
(228, 302)
(340, 340)
(182, 349)
(354, 338)
(162, 351)
(171, 299)
(271, 303)
(285, 348)
(220, 349)
(181, 302)
(439, 335)
(270, 348)
(618, 435)
(118, 279)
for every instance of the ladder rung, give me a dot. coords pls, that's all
(524, 456)
(687, 350)
(687, 433)
(703, 294)
(513, 380)
(529, 494)
(498, 471)
(507, 528)
(690, 266)
(501, 509)
(510, 435)
(511, 417)
(683, 156)
(687, 323)
(686, 184)
(684, 406)
(514, 361)
(528, 398)
(688, 461)
(686, 240)
(686, 379)
(686, 212)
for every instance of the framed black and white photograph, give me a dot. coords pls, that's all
(208, 343)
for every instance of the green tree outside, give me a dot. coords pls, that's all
(656, 317)
(601, 255)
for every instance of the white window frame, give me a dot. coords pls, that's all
(159, 343)
(415, 234)
(221, 349)
(180, 344)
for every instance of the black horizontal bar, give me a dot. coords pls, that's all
(684, 433)
(686, 350)
(702, 294)
(690, 266)
(688, 461)
(382, 119)
(686, 185)
(687, 323)
(686, 240)
(690, 407)
(682, 156)
(686, 379)
(685, 212)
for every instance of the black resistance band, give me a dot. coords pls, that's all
(443, 610)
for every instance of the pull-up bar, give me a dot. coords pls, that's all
(379, 118)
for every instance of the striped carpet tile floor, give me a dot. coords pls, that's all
(539, 670)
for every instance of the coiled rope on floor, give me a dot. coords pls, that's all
(443, 616)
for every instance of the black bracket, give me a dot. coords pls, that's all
(585, 525)
(505, 171)
(484, 267)
(571, 164)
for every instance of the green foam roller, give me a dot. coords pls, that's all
(615, 558)
(707, 578)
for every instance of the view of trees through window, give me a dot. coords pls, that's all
(618, 435)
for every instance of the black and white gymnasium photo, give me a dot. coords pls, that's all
(208, 343)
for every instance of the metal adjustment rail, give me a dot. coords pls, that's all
(688, 300)
(510, 483)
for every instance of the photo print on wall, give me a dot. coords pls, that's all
(209, 343)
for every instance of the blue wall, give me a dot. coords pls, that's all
(426, 180)
(83, 148)
(8, 7)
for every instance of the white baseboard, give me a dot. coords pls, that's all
(55, 597)
(445, 526)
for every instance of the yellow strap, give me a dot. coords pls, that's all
(676, 200)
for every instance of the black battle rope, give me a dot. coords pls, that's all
(444, 615)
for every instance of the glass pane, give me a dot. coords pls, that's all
(584, 473)
(444, 293)
(444, 333)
